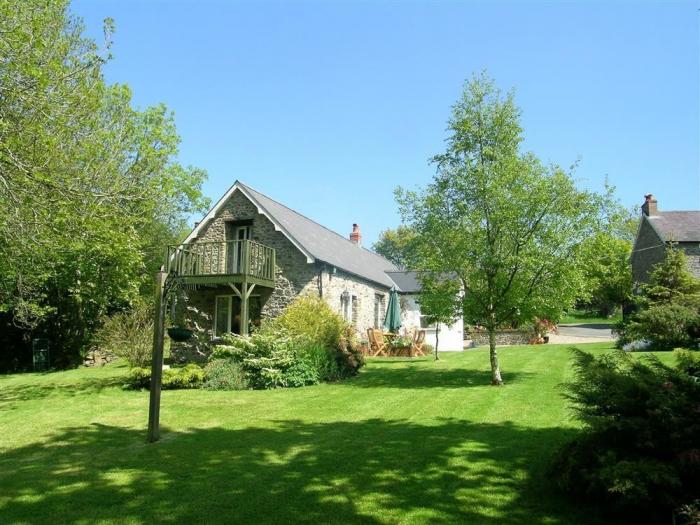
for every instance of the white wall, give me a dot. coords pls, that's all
(451, 337)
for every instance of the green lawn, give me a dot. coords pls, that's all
(584, 317)
(405, 442)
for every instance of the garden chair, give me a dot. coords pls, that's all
(418, 341)
(377, 343)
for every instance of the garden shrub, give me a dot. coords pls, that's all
(309, 317)
(308, 343)
(128, 335)
(190, 376)
(639, 452)
(224, 374)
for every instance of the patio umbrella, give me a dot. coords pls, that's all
(392, 321)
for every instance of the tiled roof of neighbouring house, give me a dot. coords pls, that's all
(406, 282)
(316, 241)
(678, 226)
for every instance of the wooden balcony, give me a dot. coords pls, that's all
(223, 262)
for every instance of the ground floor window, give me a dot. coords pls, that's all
(227, 313)
(378, 310)
(345, 306)
(426, 324)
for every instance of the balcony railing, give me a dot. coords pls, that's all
(243, 258)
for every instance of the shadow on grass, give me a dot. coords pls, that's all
(384, 375)
(373, 471)
(28, 392)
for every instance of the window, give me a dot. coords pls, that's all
(424, 324)
(378, 310)
(227, 315)
(355, 309)
(345, 306)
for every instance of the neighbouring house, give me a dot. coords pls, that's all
(250, 256)
(657, 229)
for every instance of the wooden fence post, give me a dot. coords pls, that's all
(157, 360)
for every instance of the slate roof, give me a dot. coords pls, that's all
(406, 282)
(317, 242)
(678, 226)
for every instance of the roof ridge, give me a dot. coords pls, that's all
(311, 220)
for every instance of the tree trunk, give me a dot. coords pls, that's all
(437, 340)
(495, 369)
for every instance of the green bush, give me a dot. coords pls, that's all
(664, 326)
(224, 374)
(128, 335)
(309, 317)
(190, 376)
(639, 451)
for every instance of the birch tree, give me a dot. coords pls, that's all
(505, 224)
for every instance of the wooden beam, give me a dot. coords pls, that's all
(157, 359)
(250, 290)
(244, 308)
(236, 290)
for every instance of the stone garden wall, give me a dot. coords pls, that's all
(503, 337)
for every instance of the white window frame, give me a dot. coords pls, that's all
(230, 311)
(429, 327)
(216, 313)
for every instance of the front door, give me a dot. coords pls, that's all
(235, 249)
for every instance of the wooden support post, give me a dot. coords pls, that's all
(157, 363)
(244, 308)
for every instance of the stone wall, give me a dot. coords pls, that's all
(294, 275)
(649, 250)
(692, 252)
(334, 284)
(503, 337)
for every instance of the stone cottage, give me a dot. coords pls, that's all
(250, 256)
(656, 231)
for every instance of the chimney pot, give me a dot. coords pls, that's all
(355, 235)
(650, 206)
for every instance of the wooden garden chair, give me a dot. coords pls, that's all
(418, 341)
(377, 343)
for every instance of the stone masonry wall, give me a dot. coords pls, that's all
(692, 252)
(334, 285)
(649, 250)
(293, 274)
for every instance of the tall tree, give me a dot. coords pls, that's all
(505, 224)
(88, 185)
(396, 246)
(604, 257)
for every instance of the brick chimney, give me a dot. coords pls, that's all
(650, 207)
(355, 235)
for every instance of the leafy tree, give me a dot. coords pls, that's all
(498, 219)
(604, 257)
(607, 274)
(440, 300)
(668, 313)
(396, 246)
(90, 186)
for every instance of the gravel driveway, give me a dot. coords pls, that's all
(582, 333)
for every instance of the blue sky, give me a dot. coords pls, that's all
(328, 106)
